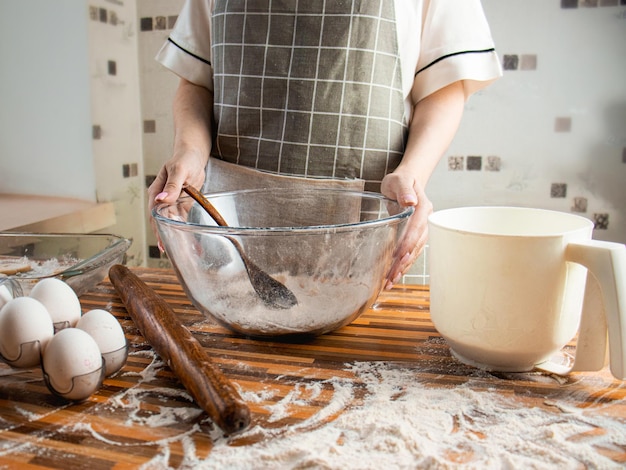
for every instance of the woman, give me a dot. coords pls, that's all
(365, 94)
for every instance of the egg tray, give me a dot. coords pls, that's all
(81, 260)
(77, 391)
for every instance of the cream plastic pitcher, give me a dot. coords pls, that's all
(510, 288)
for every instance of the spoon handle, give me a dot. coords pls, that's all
(204, 202)
(181, 351)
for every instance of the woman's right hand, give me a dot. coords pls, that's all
(192, 109)
(184, 168)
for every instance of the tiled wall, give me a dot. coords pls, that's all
(116, 117)
(551, 133)
(156, 19)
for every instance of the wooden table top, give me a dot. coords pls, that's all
(383, 390)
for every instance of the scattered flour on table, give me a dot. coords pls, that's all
(130, 401)
(132, 398)
(402, 423)
(384, 418)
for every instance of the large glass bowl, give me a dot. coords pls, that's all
(332, 248)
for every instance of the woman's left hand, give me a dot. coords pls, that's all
(408, 192)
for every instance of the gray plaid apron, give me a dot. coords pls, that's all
(308, 88)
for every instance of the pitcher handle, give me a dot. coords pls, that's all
(604, 309)
(607, 263)
(592, 345)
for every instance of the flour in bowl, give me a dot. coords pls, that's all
(324, 303)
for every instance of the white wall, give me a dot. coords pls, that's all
(579, 78)
(53, 51)
(45, 143)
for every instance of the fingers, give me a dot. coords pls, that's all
(403, 263)
(412, 242)
(156, 187)
(169, 182)
(396, 186)
(170, 191)
(154, 191)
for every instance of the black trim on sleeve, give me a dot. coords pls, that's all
(451, 55)
(190, 53)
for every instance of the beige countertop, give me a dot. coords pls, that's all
(46, 214)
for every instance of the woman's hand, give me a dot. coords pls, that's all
(193, 110)
(407, 191)
(184, 168)
(434, 123)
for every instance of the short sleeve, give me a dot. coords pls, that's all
(187, 51)
(456, 45)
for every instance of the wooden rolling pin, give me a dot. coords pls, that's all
(159, 325)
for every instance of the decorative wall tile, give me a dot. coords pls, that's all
(112, 67)
(103, 15)
(160, 23)
(455, 163)
(474, 163)
(494, 163)
(528, 62)
(157, 23)
(145, 24)
(129, 170)
(558, 190)
(591, 3)
(96, 132)
(563, 124)
(510, 62)
(154, 252)
(601, 221)
(149, 126)
(149, 179)
(579, 204)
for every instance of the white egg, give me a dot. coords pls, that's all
(9, 289)
(109, 335)
(5, 295)
(60, 300)
(72, 364)
(25, 330)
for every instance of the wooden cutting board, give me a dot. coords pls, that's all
(144, 409)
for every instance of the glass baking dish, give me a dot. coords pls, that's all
(81, 260)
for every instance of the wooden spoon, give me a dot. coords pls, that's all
(272, 293)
